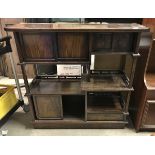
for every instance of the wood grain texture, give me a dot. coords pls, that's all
(109, 82)
(38, 46)
(56, 87)
(48, 107)
(149, 113)
(104, 107)
(105, 117)
(7, 68)
(151, 63)
(78, 124)
(150, 80)
(73, 45)
(112, 42)
(150, 22)
(103, 103)
(70, 27)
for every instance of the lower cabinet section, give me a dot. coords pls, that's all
(148, 120)
(104, 107)
(48, 106)
(95, 110)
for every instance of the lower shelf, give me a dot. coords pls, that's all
(104, 107)
(78, 124)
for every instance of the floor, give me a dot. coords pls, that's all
(19, 125)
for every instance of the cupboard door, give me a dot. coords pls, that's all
(72, 46)
(48, 106)
(148, 120)
(38, 46)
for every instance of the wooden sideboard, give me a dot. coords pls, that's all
(98, 98)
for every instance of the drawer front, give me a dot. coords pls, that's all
(151, 95)
(48, 106)
(105, 117)
(148, 119)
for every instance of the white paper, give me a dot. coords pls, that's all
(69, 70)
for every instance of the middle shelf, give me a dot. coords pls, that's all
(106, 81)
(99, 81)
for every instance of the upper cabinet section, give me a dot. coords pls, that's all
(73, 42)
(72, 46)
(37, 46)
(119, 42)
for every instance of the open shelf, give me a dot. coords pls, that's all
(107, 81)
(48, 87)
(104, 106)
(103, 103)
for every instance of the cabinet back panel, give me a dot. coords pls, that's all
(73, 104)
(108, 62)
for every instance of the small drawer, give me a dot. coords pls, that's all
(105, 117)
(48, 106)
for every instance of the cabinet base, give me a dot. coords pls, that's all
(78, 124)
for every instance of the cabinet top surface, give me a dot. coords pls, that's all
(77, 27)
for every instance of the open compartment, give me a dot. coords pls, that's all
(104, 106)
(73, 106)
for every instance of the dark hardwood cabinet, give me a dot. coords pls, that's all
(97, 98)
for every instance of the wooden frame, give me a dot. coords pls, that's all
(75, 43)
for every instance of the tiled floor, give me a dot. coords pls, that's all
(19, 125)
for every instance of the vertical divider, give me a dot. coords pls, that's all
(55, 42)
(86, 100)
(132, 71)
(127, 102)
